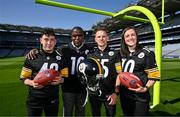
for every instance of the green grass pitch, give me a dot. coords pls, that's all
(13, 92)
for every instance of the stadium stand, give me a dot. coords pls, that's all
(16, 52)
(17, 40)
(113, 24)
(4, 52)
(170, 30)
(171, 51)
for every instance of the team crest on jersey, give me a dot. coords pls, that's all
(141, 55)
(86, 52)
(47, 57)
(111, 53)
(58, 57)
(82, 67)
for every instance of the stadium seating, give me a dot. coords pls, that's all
(4, 52)
(171, 51)
(15, 42)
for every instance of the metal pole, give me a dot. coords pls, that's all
(158, 44)
(90, 10)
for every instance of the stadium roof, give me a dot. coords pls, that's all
(155, 6)
(30, 29)
(35, 29)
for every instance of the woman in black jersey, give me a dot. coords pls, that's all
(141, 62)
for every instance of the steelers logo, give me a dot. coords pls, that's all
(86, 52)
(47, 57)
(82, 67)
(141, 55)
(58, 57)
(111, 53)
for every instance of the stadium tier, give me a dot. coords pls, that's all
(17, 43)
(17, 40)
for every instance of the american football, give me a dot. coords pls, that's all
(46, 76)
(129, 80)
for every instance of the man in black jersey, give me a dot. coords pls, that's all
(73, 92)
(43, 98)
(111, 65)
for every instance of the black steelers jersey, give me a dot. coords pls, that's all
(142, 63)
(110, 62)
(32, 67)
(73, 56)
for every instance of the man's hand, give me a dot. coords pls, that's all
(32, 83)
(37, 86)
(32, 54)
(112, 99)
(57, 80)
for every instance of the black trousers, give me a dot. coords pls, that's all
(132, 107)
(49, 111)
(96, 105)
(73, 101)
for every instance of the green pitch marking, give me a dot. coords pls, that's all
(122, 14)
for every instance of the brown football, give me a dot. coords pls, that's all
(129, 80)
(45, 77)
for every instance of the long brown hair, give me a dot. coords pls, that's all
(124, 49)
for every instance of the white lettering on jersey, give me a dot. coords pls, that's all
(106, 70)
(52, 66)
(129, 64)
(75, 63)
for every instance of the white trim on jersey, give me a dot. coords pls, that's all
(78, 48)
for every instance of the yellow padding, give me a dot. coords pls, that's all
(64, 72)
(26, 73)
(118, 67)
(153, 73)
